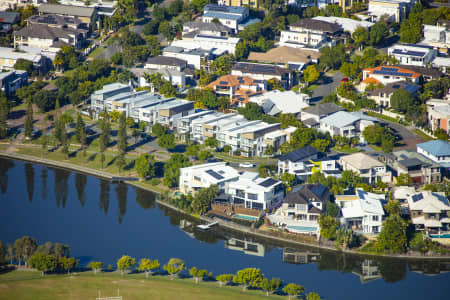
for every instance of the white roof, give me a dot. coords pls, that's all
(441, 62)
(8, 53)
(213, 172)
(285, 101)
(340, 119)
(364, 203)
(250, 181)
(347, 24)
(427, 201)
(361, 161)
(402, 192)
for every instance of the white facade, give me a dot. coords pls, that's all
(175, 77)
(436, 150)
(218, 45)
(362, 212)
(286, 102)
(307, 38)
(436, 36)
(395, 10)
(346, 124)
(391, 74)
(414, 55)
(347, 24)
(193, 57)
(202, 176)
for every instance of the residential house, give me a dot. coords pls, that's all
(12, 80)
(437, 36)
(99, 97)
(308, 33)
(240, 3)
(347, 25)
(294, 58)
(349, 4)
(437, 150)
(255, 192)
(429, 211)
(421, 169)
(301, 209)
(7, 20)
(9, 57)
(281, 102)
(195, 58)
(14, 4)
(87, 15)
(365, 166)
(202, 176)
(394, 10)
(167, 113)
(427, 72)
(219, 45)
(382, 96)
(346, 124)
(411, 54)
(177, 78)
(229, 16)
(191, 29)
(368, 271)
(362, 212)
(238, 88)
(165, 62)
(439, 115)
(389, 74)
(311, 116)
(264, 72)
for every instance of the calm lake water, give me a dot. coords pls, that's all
(102, 221)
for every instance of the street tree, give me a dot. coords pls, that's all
(122, 135)
(43, 263)
(145, 165)
(158, 130)
(147, 265)
(293, 289)
(174, 267)
(249, 277)
(96, 266)
(124, 263)
(311, 74)
(224, 279)
(167, 141)
(28, 131)
(270, 285)
(4, 110)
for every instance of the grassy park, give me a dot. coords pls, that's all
(31, 285)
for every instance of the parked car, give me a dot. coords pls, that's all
(246, 165)
(345, 79)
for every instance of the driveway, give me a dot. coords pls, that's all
(327, 86)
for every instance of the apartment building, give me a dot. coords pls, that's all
(411, 54)
(389, 74)
(167, 113)
(264, 72)
(367, 167)
(362, 212)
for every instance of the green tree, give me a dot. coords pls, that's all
(312, 296)
(192, 150)
(96, 266)
(80, 128)
(167, 141)
(68, 263)
(392, 238)
(332, 209)
(168, 90)
(411, 30)
(203, 199)
(441, 134)
(158, 130)
(122, 135)
(222, 65)
(328, 227)
(401, 100)
(360, 36)
(124, 263)
(172, 169)
(311, 74)
(350, 70)
(4, 110)
(29, 121)
(224, 278)
(404, 179)
(293, 289)
(198, 274)
(147, 265)
(145, 165)
(24, 248)
(43, 263)
(270, 286)
(174, 267)
(105, 127)
(249, 277)
(378, 33)
(321, 144)
(393, 207)
(25, 65)
(204, 155)
(333, 57)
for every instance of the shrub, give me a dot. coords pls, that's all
(155, 181)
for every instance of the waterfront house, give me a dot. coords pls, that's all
(429, 211)
(202, 176)
(370, 169)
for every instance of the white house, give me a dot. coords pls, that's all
(197, 58)
(436, 36)
(202, 176)
(308, 33)
(346, 124)
(255, 192)
(362, 212)
(415, 55)
(264, 72)
(429, 211)
(436, 150)
(365, 166)
(229, 16)
(395, 10)
(217, 44)
(347, 24)
(165, 62)
(177, 78)
(281, 102)
(389, 74)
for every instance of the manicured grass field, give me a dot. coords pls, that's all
(31, 285)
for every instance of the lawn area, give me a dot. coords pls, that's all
(230, 158)
(346, 149)
(96, 52)
(30, 285)
(422, 135)
(380, 116)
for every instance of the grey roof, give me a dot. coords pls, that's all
(45, 32)
(425, 71)
(260, 69)
(166, 61)
(8, 17)
(55, 20)
(392, 87)
(225, 9)
(299, 154)
(323, 109)
(312, 24)
(436, 147)
(219, 15)
(411, 162)
(310, 122)
(207, 26)
(69, 10)
(303, 194)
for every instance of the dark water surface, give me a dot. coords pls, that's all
(102, 221)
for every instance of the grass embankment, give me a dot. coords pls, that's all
(422, 135)
(31, 285)
(346, 149)
(384, 117)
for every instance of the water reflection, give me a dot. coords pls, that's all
(61, 186)
(300, 256)
(5, 166)
(80, 185)
(44, 176)
(368, 272)
(104, 196)
(145, 199)
(122, 191)
(29, 175)
(246, 246)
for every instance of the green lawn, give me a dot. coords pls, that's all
(381, 116)
(422, 135)
(30, 285)
(346, 149)
(96, 52)
(230, 158)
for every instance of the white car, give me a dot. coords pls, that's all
(246, 165)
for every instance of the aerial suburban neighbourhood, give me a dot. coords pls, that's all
(321, 124)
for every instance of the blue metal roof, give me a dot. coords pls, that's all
(218, 15)
(436, 147)
(225, 9)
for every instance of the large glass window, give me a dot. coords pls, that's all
(252, 196)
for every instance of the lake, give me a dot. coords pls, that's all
(102, 221)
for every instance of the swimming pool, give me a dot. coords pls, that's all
(442, 236)
(302, 228)
(246, 217)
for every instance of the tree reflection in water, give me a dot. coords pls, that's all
(145, 199)
(44, 176)
(122, 191)
(61, 186)
(104, 196)
(29, 176)
(80, 185)
(5, 166)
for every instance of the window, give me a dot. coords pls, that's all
(375, 218)
(240, 193)
(252, 196)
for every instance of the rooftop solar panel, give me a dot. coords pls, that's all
(417, 197)
(268, 182)
(214, 174)
(318, 189)
(223, 82)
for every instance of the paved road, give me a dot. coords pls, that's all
(326, 87)
(408, 138)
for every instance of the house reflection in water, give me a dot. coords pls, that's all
(298, 256)
(248, 247)
(368, 272)
(429, 268)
